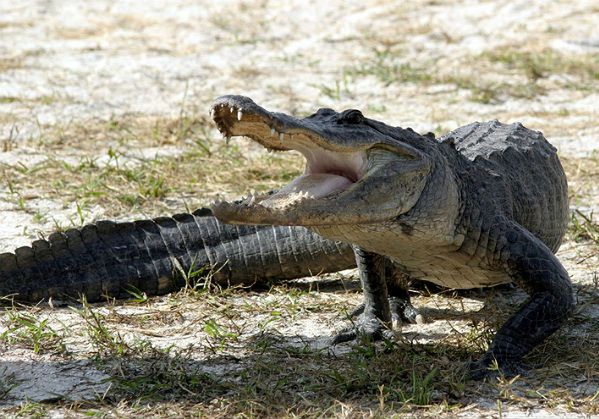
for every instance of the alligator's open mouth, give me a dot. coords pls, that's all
(336, 165)
(326, 171)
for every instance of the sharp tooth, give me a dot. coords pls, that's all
(227, 140)
(212, 113)
(281, 136)
(239, 114)
(232, 109)
(272, 132)
(248, 200)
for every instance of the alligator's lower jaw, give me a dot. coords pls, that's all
(288, 205)
(248, 212)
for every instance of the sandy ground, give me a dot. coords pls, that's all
(67, 63)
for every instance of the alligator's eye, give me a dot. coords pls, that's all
(352, 116)
(323, 112)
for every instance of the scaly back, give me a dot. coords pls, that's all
(515, 170)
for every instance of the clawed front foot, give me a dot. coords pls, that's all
(366, 326)
(402, 312)
(372, 328)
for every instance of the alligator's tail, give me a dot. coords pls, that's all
(155, 256)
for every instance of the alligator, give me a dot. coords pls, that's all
(484, 205)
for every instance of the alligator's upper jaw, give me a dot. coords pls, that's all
(239, 115)
(327, 171)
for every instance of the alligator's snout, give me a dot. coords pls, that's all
(239, 115)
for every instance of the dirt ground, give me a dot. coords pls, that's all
(103, 114)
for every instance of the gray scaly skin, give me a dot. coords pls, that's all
(484, 205)
(109, 258)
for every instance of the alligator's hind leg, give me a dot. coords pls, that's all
(374, 320)
(533, 267)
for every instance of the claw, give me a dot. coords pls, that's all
(357, 311)
(367, 327)
(349, 334)
(403, 311)
(346, 335)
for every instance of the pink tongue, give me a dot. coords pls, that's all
(317, 185)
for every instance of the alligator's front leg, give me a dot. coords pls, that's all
(374, 322)
(533, 267)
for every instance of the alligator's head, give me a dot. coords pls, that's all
(358, 170)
